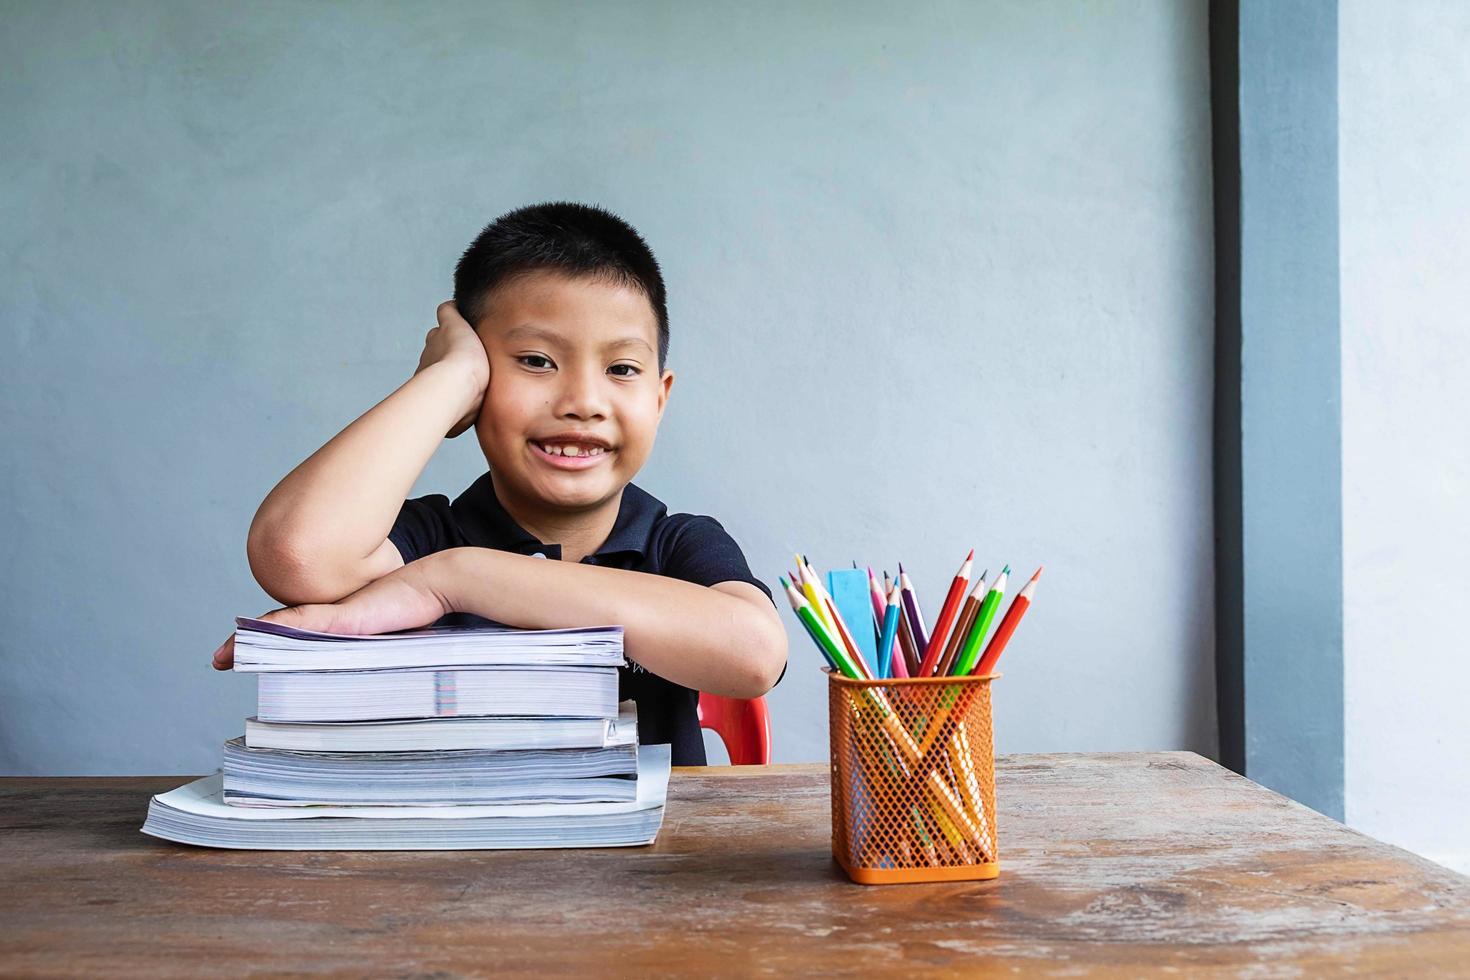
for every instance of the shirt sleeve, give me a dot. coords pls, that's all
(702, 552)
(422, 527)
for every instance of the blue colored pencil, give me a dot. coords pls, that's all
(885, 642)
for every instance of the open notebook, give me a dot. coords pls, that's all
(197, 814)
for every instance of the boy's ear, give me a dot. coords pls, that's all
(665, 383)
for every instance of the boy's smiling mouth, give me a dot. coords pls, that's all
(571, 451)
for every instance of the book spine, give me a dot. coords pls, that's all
(445, 699)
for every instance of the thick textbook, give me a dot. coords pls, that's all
(364, 695)
(445, 734)
(262, 646)
(275, 777)
(196, 814)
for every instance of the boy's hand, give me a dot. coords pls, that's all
(454, 343)
(401, 600)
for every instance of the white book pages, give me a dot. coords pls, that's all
(445, 734)
(262, 646)
(274, 777)
(365, 695)
(196, 814)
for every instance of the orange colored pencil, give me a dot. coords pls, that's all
(947, 613)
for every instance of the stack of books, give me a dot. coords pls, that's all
(447, 738)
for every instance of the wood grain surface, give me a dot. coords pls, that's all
(1118, 865)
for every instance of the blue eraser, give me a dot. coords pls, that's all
(850, 594)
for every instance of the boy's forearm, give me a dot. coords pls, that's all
(701, 638)
(330, 514)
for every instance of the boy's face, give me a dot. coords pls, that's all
(575, 393)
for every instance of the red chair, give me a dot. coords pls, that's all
(744, 727)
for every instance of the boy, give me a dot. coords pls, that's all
(553, 350)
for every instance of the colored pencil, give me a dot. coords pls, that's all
(797, 600)
(885, 640)
(880, 604)
(913, 613)
(847, 640)
(831, 649)
(810, 576)
(970, 653)
(905, 635)
(834, 618)
(809, 623)
(962, 628)
(947, 614)
(810, 586)
(960, 761)
(1007, 626)
(898, 668)
(897, 664)
(906, 641)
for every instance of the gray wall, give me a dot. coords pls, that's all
(1405, 424)
(970, 241)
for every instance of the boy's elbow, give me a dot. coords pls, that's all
(765, 658)
(286, 572)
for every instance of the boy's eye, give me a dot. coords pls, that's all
(625, 370)
(535, 361)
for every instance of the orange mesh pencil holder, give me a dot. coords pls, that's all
(913, 779)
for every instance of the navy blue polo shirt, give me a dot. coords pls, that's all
(645, 538)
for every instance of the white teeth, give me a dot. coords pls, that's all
(570, 450)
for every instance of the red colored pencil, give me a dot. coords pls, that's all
(847, 639)
(1007, 626)
(946, 617)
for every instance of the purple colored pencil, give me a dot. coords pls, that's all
(911, 610)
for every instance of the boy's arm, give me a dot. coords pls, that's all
(322, 533)
(725, 639)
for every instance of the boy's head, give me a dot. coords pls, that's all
(575, 240)
(569, 304)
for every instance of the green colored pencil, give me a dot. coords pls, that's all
(830, 647)
(970, 652)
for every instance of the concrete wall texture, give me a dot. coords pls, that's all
(1405, 191)
(972, 242)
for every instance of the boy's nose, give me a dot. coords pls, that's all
(581, 397)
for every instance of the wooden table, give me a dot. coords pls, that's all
(1114, 864)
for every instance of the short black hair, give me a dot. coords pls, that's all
(560, 236)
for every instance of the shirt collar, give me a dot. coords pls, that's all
(638, 512)
(486, 523)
